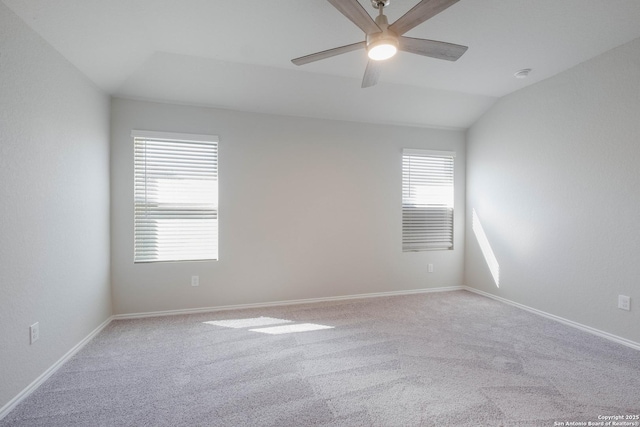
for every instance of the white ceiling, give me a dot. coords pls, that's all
(236, 53)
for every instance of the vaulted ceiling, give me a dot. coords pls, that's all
(237, 53)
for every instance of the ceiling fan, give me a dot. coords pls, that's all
(383, 40)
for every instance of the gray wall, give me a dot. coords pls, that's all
(553, 174)
(308, 209)
(54, 205)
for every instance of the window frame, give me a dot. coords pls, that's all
(142, 244)
(445, 225)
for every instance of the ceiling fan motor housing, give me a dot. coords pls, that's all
(384, 37)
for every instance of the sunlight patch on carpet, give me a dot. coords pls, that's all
(247, 323)
(288, 329)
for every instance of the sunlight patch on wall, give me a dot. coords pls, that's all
(485, 247)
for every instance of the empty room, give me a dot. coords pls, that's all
(319, 213)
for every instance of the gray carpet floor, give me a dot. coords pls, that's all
(439, 359)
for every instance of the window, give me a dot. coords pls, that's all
(175, 197)
(427, 200)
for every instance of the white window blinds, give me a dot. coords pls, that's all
(176, 197)
(427, 200)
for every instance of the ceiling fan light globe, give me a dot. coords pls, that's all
(382, 50)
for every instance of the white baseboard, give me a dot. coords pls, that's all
(283, 303)
(568, 322)
(52, 369)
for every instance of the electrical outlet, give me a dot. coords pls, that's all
(34, 332)
(195, 280)
(430, 268)
(624, 302)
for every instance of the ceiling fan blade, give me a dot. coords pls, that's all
(372, 73)
(356, 14)
(432, 48)
(328, 53)
(419, 13)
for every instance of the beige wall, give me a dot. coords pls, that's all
(54, 205)
(308, 209)
(553, 174)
